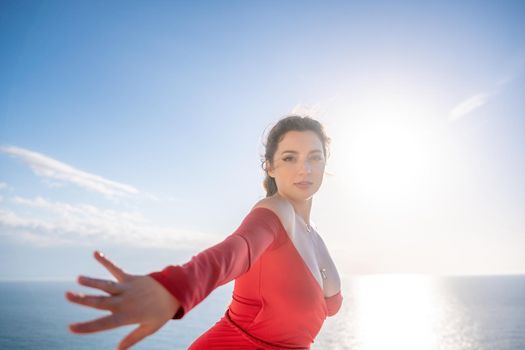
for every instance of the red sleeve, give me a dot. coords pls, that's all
(334, 303)
(195, 280)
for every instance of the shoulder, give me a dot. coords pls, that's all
(281, 207)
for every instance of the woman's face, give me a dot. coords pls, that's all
(298, 165)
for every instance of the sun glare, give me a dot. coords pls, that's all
(406, 311)
(396, 312)
(390, 159)
(392, 151)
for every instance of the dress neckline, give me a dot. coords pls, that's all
(320, 288)
(305, 266)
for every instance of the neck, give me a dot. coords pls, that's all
(302, 208)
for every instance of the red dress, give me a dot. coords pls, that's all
(277, 303)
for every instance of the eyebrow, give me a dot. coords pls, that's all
(295, 152)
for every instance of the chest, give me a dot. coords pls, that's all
(315, 256)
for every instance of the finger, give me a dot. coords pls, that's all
(134, 337)
(116, 271)
(99, 324)
(101, 302)
(108, 286)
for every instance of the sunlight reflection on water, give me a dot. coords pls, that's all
(401, 311)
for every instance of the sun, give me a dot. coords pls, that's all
(391, 153)
(390, 158)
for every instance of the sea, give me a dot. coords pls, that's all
(379, 312)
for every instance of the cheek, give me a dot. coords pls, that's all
(283, 175)
(320, 170)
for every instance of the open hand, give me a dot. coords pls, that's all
(133, 299)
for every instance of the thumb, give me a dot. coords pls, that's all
(134, 337)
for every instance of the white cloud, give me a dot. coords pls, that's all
(469, 105)
(3, 185)
(52, 169)
(56, 223)
(476, 101)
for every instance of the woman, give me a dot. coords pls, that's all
(286, 283)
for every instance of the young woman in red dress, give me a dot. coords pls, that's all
(286, 283)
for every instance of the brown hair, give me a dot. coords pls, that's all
(276, 134)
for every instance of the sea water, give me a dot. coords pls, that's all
(379, 312)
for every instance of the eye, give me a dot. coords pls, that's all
(317, 158)
(286, 159)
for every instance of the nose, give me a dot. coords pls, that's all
(305, 167)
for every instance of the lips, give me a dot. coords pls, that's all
(303, 184)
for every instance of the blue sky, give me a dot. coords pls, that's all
(137, 127)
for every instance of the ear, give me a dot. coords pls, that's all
(269, 169)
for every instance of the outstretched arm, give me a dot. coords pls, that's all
(221, 263)
(152, 300)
